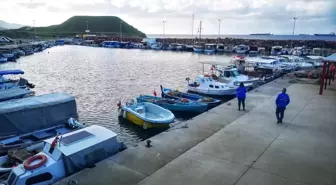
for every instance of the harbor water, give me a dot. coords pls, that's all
(100, 77)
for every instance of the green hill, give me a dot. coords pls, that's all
(99, 25)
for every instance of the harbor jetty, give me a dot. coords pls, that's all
(226, 146)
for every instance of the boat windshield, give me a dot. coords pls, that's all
(235, 73)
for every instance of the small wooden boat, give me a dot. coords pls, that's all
(178, 105)
(169, 93)
(147, 115)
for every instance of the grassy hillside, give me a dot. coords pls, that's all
(106, 25)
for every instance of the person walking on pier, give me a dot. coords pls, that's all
(241, 95)
(281, 103)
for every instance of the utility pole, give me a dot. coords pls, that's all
(34, 31)
(200, 30)
(163, 32)
(192, 25)
(294, 18)
(219, 27)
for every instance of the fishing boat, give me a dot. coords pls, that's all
(17, 151)
(29, 120)
(220, 48)
(230, 74)
(262, 50)
(172, 47)
(14, 80)
(111, 44)
(229, 49)
(9, 55)
(205, 84)
(276, 50)
(253, 50)
(14, 93)
(242, 49)
(210, 48)
(65, 155)
(156, 46)
(198, 47)
(147, 115)
(3, 59)
(175, 94)
(181, 47)
(176, 105)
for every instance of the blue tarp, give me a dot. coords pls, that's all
(11, 72)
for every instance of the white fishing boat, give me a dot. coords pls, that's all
(220, 48)
(229, 49)
(298, 51)
(265, 64)
(253, 50)
(299, 62)
(261, 50)
(156, 46)
(205, 84)
(65, 155)
(210, 48)
(276, 50)
(242, 49)
(230, 75)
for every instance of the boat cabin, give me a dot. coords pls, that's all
(66, 155)
(276, 50)
(210, 47)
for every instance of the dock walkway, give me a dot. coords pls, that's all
(228, 147)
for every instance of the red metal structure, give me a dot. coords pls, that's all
(328, 71)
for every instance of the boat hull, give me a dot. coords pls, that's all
(228, 92)
(198, 50)
(175, 105)
(145, 124)
(194, 97)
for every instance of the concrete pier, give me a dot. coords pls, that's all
(229, 147)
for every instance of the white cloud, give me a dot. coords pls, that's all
(239, 17)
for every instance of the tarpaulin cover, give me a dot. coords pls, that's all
(12, 93)
(35, 113)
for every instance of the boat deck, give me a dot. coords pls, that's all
(229, 147)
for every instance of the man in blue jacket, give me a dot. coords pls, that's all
(281, 102)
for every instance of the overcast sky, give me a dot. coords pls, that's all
(238, 16)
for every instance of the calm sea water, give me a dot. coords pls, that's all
(100, 77)
(255, 37)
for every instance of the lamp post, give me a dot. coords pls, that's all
(164, 27)
(294, 24)
(34, 31)
(219, 27)
(294, 18)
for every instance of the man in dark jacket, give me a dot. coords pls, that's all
(281, 102)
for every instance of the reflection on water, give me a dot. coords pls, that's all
(100, 77)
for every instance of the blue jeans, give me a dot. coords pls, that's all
(280, 111)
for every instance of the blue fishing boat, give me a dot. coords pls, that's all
(177, 105)
(3, 59)
(147, 115)
(33, 119)
(169, 93)
(7, 83)
(111, 44)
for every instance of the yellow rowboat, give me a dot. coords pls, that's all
(146, 115)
